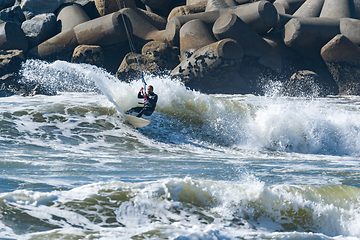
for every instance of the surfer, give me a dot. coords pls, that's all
(150, 100)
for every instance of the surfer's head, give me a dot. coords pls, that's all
(150, 89)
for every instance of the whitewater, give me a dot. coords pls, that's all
(209, 166)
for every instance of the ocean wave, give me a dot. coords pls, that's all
(328, 126)
(184, 208)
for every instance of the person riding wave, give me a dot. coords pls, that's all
(150, 100)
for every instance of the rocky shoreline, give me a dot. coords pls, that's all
(215, 46)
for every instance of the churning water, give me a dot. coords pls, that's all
(207, 167)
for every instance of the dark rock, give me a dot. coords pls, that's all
(88, 54)
(10, 61)
(129, 67)
(90, 9)
(40, 6)
(6, 3)
(304, 83)
(12, 37)
(10, 85)
(165, 56)
(12, 14)
(213, 5)
(342, 58)
(39, 28)
(186, 10)
(226, 82)
(105, 7)
(114, 55)
(222, 56)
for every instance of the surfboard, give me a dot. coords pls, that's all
(135, 121)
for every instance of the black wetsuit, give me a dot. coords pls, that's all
(149, 105)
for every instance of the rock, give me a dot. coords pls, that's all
(105, 7)
(196, 2)
(6, 3)
(40, 6)
(303, 83)
(129, 67)
(226, 82)
(114, 55)
(39, 28)
(90, 9)
(89, 54)
(12, 14)
(10, 61)
(186, 10)
(221, 55)
(342, 58)
(12, 37)
(9, 85)
(213, 5)
(165, 56)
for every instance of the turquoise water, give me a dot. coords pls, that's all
(207, 167)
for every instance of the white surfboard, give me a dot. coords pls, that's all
(135, 121)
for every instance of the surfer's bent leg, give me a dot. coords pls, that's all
(134, 109)
(140, 113)
(145, 111)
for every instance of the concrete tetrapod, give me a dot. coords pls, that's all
(337, 9)
(231, 26)
(71, 15)
(226, 52)
(290, 6)
(350, 28)
(194, 35)
(103, 31)
(342, 57)
(261, 16)
(310, 8)
(308, 35)
(145, 30)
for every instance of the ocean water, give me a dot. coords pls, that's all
(207, 167)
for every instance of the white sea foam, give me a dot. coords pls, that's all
(188, 208)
